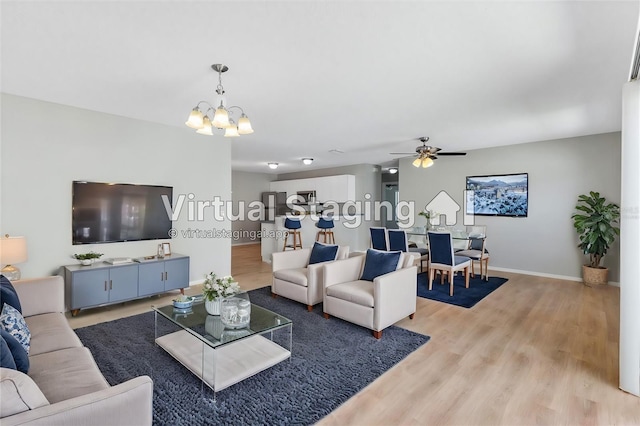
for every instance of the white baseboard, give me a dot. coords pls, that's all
(545, 275)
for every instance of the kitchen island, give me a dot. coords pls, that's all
(346, 233)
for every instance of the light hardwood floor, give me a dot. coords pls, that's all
(536, 351)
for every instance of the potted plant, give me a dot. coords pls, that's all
(428, 214)
(215, 289)
(87, 258)
(596, 226)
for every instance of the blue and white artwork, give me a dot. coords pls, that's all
(498, 195)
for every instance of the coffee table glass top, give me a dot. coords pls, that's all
(209, 328)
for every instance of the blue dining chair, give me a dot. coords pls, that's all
(443, 259)
(379, 239)
(398, 241)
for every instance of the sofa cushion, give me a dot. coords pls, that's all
(323, 253)
(20, 357)
(360, 292)
(379, 263)
(12, 321)
(296, 276)
(66, 373)
(19, 393)
(51, 332)
(6, 358)
(8, 294)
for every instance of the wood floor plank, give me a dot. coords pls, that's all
(537, 351)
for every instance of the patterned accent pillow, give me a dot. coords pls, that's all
(12, 321)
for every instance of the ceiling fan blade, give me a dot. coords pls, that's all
(452, 153)
(402, 153)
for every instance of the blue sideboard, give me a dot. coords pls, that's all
(103, 284)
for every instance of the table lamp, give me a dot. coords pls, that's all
(12, 250)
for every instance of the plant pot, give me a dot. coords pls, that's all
(213, 306)
(86, 262)
(595, 276)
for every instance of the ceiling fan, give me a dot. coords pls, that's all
(426, 153)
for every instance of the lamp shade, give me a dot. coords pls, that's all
(13, 250)
(206, 127)
(427, 162)
(244, 125)
(221, 118)
(195, 119)
(416, 162)
(231, 131)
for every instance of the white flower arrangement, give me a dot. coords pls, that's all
(215, 287)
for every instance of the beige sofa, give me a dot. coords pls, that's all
(373, 304)
(64, 385)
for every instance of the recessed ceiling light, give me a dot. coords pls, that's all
(393, 170)
(272, 165)
(307, 161)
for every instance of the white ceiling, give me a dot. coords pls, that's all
(366, 78)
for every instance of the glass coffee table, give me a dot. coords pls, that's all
(220, 356)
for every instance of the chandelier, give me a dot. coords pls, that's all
(220, 117)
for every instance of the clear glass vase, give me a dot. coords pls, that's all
(235, 311)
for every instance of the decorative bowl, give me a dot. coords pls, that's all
(185, 303)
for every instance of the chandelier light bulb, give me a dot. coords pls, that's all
(206, 127)
(195, 120)
(244, 125)
(272, 165)
(427, 162)
(231, 131)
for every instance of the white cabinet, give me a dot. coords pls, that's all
(340, 188)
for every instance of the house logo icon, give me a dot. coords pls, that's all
(443, 204)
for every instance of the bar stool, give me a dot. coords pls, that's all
(325, 231)
(293, 228)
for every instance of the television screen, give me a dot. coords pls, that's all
(107, 213)
(498, 195)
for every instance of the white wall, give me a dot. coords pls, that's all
(630, 234)
(559, 170)
(46, 146)
(247, 187)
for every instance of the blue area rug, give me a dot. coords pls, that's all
(331, 361)
(465, 297)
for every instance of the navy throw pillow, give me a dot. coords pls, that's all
(8, 294)
(6, 359)
(323, 253)
(379, 263)
(19, 355)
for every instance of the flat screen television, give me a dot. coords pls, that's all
(498, 195)
(116, 212)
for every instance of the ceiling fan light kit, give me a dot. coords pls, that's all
(221, 115)
(427, 154)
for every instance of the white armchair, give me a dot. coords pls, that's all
(295, 279)
(373, 304)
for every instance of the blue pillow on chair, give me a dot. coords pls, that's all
(6, 359)
(16, 351)
(8, 294)
(323, 253)
(12, 321)
(379, 263)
